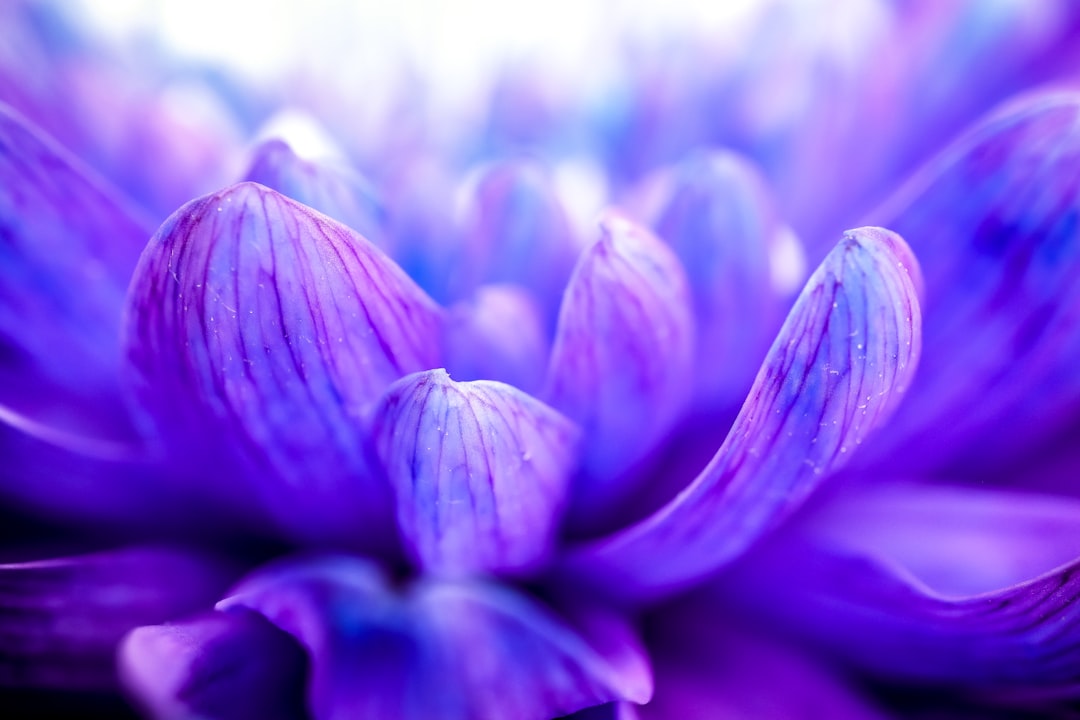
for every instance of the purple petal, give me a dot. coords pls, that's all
(480, 470)
(994, 224)
(716, 212)
(933, 585)
(707, 668)
(837, 369)
(622, 363)
(61, 619)
(516, 231)
(443, 650)
(331, 188)
(217, 666)
(498, 335)
(263, 330)
(68, 244)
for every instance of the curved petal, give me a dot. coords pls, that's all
(716, 212)
(68, 244)
(331, 188)
(622, 363)
(480, 470)
(444, 650)
(215, 666)
(994, 222)
(61, 619)
(838, 368)
(498, 335)
(933, 585)
(516, 231)
(263, 330)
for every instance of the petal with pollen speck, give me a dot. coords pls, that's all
(261, 331)
(840, 364)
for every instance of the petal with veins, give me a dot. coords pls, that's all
(838, 368)
(263, 330)
(622, 362)
(480, 471)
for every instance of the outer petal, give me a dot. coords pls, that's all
(471, 651)
(994, 222)
(716, 212)
(61, 619)
(68, 244)
(216, 666)
(263, 330)
(480, 471)
(837, 369)
(498, 335)
(932, 585)
(623, 358)
(331, 188)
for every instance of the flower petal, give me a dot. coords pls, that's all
(934, 585)
(480, 470)
(516, 231)
(837, 369)
(68, 244)
(61, 619)
(331, 188)
(217, 666)
(994, 224)
(716, 212)
(622, 363)
(498, 335)
(263, 330)
(445, 650)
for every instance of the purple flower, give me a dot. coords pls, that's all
(426, 446)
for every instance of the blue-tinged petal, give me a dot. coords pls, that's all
(708, 667)
(480, 471)
(61, 619)
(215, 666)
(995, 222)
(716, 212)
(260, 331)
(468, 651)
(498, 335)
(841, 362)
(516, 231)
(68, 245)
(329, 187)
(623, 358)
(934, 585)
(520, 661)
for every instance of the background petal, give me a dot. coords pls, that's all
(623, 358)
(68, 245)
(995, 222)
(61, 619)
